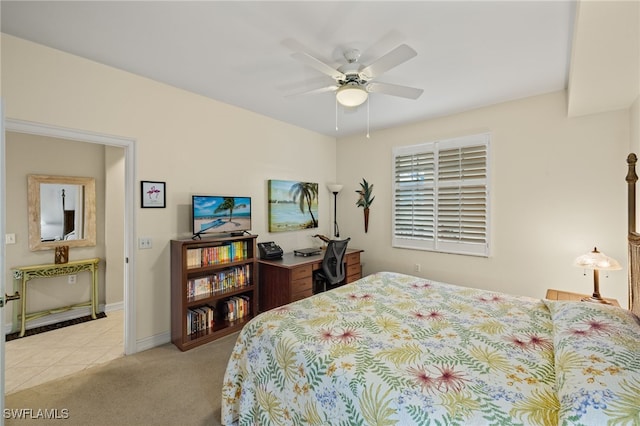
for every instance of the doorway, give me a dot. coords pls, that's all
(117, 150)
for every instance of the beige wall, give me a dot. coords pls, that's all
(635, 127)
(634, 145)
(115, 223)
(557, 190)
(194, 144)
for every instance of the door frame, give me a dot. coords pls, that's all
(3, 216)
(129, 145)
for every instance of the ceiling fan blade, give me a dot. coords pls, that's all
(394, 90)
(307, 59)
(331, 88)
(392, 59)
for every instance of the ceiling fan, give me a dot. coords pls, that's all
(354, 82)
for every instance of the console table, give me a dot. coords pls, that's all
(24, 274)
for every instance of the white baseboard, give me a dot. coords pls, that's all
(118, 306)
(153, 341)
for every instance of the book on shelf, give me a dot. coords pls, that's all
(200, 319)
(214, 255)
(235, 277)
(237, 307)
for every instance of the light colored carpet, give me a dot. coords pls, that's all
(161, 386)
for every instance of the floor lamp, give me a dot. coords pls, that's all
(335, 188)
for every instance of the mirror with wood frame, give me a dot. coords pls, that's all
(62, 211)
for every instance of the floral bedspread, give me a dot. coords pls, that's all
(395, 349)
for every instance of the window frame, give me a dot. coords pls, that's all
(432, 180)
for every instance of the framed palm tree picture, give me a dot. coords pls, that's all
(292, 205)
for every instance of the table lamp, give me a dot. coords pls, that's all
(335, 188)
(598, 262)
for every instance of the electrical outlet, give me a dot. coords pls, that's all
(72, 279)
(10, 239)
(144, 243)
(417, 267)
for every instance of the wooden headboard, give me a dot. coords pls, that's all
(633, 237)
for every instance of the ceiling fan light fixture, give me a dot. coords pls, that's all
(351, 95)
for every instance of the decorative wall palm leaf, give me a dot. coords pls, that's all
(365, 191)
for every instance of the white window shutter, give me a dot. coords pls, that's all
(441, 196)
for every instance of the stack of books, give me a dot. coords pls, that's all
(237, 307)
(200, 319)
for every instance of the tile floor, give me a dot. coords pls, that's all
(33, 360)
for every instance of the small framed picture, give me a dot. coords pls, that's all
(153, 194)
(62, 254)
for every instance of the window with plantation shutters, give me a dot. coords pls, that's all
(441, 196)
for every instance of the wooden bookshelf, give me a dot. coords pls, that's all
(214, 288)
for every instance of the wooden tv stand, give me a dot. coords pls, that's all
(289, 279)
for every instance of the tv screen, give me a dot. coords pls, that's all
(218, 214)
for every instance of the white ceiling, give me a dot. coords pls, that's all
(470, 53)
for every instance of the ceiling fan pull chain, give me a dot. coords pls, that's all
(368, 101)
(336, 114)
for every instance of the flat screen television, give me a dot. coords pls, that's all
(213, 214)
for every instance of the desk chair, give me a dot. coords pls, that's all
(333, 271)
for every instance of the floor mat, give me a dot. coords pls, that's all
(55, 326)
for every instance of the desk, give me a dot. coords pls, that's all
(24, 274)
(289, 279)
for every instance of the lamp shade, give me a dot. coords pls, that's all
(351, 96)
(334, 187)
(597, 260)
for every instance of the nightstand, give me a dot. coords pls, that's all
(565, 295)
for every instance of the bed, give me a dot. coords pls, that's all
(396, 349)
